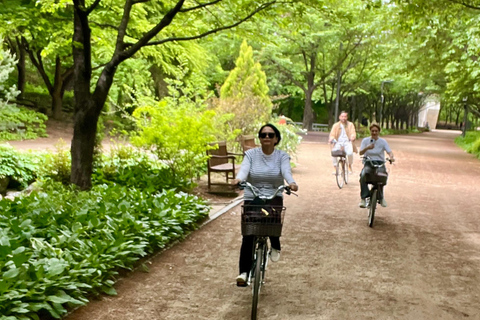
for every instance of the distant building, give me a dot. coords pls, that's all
(428, 114)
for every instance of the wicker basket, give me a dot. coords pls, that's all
(338, 153)
(262, 220)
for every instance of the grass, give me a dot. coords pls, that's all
(471, 142)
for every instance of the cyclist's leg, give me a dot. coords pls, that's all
(335, 164)
(349, 152)
(381, 187)
(275, 241)
(364, 191)
(246, 254)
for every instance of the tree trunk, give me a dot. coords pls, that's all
(83, 144)
(21, 69)
(57, 104)
(308, 112)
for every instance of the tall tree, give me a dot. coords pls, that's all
(173, 21)
(43, 33)
(315, 45)
(245, 92)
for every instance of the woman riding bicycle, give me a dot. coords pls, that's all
(374, 148)
(265, 168)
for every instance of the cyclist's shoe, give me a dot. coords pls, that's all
(242, 279)
(383, 203)
(362, 204)
(274, 255)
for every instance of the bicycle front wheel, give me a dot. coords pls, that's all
(345, 169)
(257, 279)
(373, 206)
(340, 173)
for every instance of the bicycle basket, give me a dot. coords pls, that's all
(262, 220)
(376, 177)
(338, 153)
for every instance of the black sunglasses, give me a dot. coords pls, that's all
(263, 135)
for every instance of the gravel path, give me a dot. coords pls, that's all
(420, 261)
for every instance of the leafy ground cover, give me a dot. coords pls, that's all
(58, 245)
(471, 142)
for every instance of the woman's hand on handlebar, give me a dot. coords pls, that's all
(293, 186)
(235, 182)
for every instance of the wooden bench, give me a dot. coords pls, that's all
(248, 142)
(223, 162)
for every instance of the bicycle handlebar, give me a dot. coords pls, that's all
(377, 165)
(256, 192)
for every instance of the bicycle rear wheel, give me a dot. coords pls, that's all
(257, 279)
(373, 206)
(340, 173)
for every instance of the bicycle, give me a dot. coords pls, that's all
(376, 179)
(261, 221)
(341, 170)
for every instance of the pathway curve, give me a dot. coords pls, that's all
(420, 261)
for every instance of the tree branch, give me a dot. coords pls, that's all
(262, 7)
(144, 41)
(38, 63)
(123, 26)
(200, 6)
(467, 5)
(92, 7)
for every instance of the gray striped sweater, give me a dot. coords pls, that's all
(266, 172)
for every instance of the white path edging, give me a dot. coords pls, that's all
(217, 214)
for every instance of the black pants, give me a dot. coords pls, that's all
(246, 251)
(368, 169)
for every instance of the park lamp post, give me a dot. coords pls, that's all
(382, 105)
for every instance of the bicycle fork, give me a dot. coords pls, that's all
(259, 244)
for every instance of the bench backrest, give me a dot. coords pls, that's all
(221, 151)
(248, 142)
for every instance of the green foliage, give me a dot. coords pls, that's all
(290, 137)
(471, 142)
(18, 123)
(21, 168)
(245, 93)
(177, 134)
(7, 65)
(131, 167)
(59, 246)
(57, 166)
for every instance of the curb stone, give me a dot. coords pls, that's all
(217, 212)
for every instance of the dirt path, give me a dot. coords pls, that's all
(420, 261)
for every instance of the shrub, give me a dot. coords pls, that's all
(59, 246)
(57, 166)
(177, 134)
(20, 167)
(18, 123)
(129, 166)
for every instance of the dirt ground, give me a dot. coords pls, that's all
(421, 260)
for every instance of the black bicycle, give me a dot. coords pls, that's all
(375, 178)
(341, 171)
(261, 221)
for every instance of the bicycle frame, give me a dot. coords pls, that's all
(261, 230)
(341, 174)
(373, 199)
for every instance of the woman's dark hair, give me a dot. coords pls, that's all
(277, 133)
